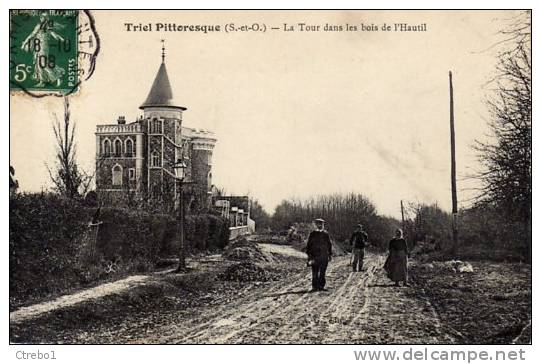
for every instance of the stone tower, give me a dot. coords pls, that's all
(135, 161)
(163, 119)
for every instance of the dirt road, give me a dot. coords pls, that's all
(201, 307)
(358, 307)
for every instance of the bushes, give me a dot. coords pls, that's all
(485, 229)
(218, 232)
(483, 233)
(380, 231)
(52, 248)
(206, 232)
(130, 235)
(430, 224)
(44, 236)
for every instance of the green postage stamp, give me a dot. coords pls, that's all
(44, 51)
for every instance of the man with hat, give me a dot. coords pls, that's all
(358, 242)
(319, 251)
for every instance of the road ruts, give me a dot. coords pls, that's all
(359, 307)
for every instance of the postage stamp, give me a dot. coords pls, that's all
(44, 51)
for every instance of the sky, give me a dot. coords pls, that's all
(296, 114)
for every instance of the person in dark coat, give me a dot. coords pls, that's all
(319, 251)
(396, 264)
(358, 242)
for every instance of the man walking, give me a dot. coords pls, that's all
(358, 242)
(319, 251)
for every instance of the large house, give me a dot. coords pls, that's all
(135, 160)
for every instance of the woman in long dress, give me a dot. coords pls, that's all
(397, 261)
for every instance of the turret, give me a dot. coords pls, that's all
(160, 101)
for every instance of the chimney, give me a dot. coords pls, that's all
(121, 120)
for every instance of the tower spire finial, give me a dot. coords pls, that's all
(163, 50)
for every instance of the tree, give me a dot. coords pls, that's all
(430, 224)
(259, 215)
(68, 180)
(342, 212)
(13, 183)
(507, 160)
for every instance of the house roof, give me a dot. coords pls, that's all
(198, 133)
(161, 93)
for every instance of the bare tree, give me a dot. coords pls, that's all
(507, 174)
(507, 160)
(341, 211)
(68, 179)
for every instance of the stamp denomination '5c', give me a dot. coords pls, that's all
(43, 51)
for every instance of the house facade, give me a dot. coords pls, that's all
(135, 159)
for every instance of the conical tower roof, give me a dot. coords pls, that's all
(161, 93)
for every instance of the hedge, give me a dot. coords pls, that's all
(52, 249)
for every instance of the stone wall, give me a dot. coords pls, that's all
(155, 183)
(169, 156)
(104, 175)
(201, 168)
(154, 146)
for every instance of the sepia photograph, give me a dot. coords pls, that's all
(357, 177)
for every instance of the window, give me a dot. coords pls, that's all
(106, 147)
(178, 132)
(155, 126)
(155, 160)
(118, 148)
(117, 175)
(209, 158)
(131, 174)
(210, 181)
(156, 191)
(129, 148)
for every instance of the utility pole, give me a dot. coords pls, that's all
(182, 248)
(402, 211)
(453, 166)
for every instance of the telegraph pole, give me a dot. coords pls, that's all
(402, 211)
(453, 166)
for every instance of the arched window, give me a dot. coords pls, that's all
(155, 160)
(155, 126)
(118, 148)
(129, 150)
(106, 151)
(117, 175)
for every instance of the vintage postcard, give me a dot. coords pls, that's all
(271, 177)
